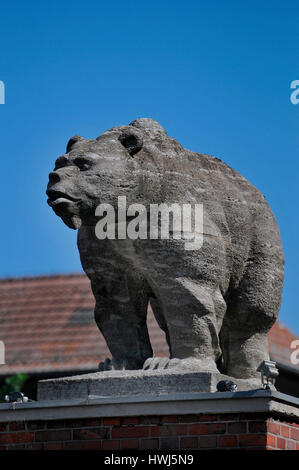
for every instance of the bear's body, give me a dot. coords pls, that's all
(215, 304)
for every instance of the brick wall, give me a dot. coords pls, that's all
(223, 431)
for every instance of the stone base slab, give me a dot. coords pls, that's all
(134, 383)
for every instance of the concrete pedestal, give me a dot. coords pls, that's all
(135, 383)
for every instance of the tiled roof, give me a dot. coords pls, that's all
(47, 325)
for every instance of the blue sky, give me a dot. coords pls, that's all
(216, 75)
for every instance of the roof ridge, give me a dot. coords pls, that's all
(41, 277)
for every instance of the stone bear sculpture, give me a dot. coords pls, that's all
(216, 303)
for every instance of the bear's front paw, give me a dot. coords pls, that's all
(153, 363)
(188, 364)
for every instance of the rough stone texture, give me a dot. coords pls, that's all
(216, 304)
(130, 383)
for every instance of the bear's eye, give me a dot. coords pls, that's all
(132, 142)
(82, 163)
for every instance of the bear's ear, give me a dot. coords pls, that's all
(72, 141)
(131, 140)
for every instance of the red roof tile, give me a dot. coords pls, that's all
(47, 325)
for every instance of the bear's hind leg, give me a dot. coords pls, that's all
(243, 352)
(193, 312)
(252, 310)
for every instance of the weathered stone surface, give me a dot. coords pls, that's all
(134, 383)
(215, 304)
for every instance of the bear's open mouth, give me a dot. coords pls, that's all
(57, 197)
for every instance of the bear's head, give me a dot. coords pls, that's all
(123, 161)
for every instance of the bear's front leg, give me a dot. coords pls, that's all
(120, 314)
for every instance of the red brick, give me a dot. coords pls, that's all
(25, 437)
(45, 436)
(129, 444)
(19, 437)
(53, 446)
(90, 434)
(112, 421)
(284, 431)
(208, 442)
(280, 443)
(8, 438)
(73, 445)
(111, 445)
(170, 419)
(93, 445)
(271, 440)
(252, 440)
(211, 428)
(154, 431)
(228, 441)
(17, 426)
(189, 418)
(173, 430)
(236, 428)
(205, 418)
(149, 444)
(294, 434)
(189, 443)
(291, 445)
(93, 422)
(129, 421)
(257, 426)
(273, 427)
(138, 431)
